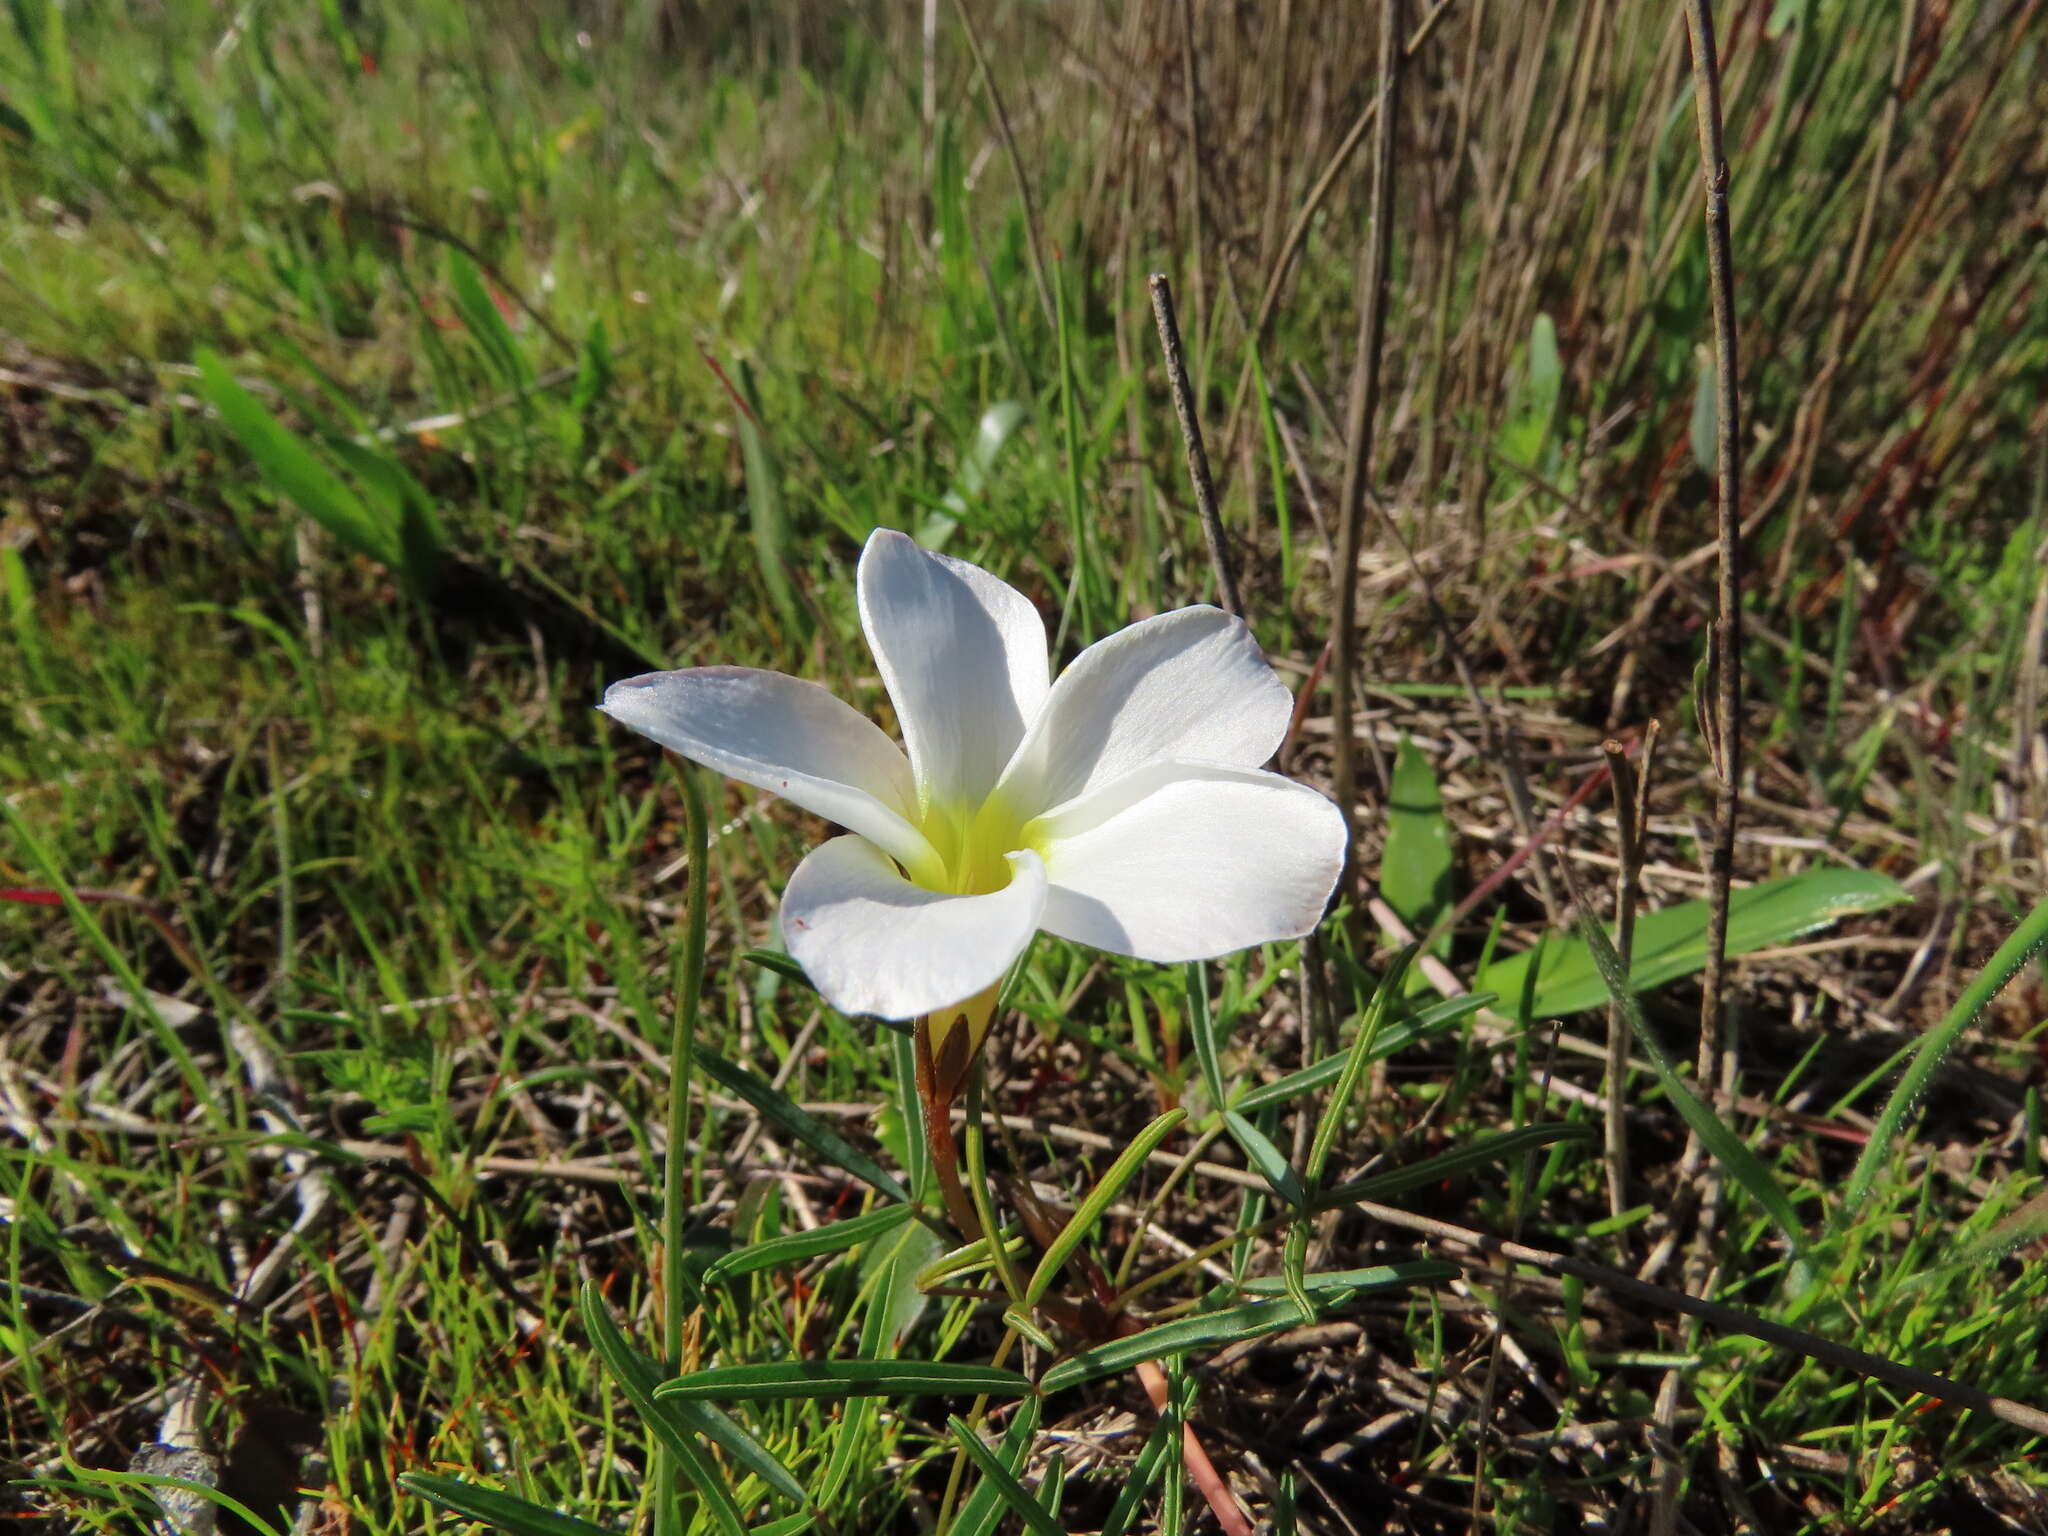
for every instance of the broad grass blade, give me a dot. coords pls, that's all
(1415, 870)
(293, 470)
(984, 1507)
(1673, 942)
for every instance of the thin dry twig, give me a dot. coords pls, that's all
(1361, 411)
(1725, 653)
(1191, 434)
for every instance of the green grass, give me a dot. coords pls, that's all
(687, 308)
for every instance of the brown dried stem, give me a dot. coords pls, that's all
(1726, 649)
(1362, 409)
(1191, 434)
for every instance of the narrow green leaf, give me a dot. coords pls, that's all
(1500, 1147)
(1202, 1027)
(2020, 946)
(778, 1107)
(506, 1511)
(1098, 1200)
(403, 503)
(843, 1378)
(1393, 1038)
(1268, 1159)
(291, 469)
(1727, 1148)
(995, 1475)
(1673, 942)
(781, 964)
(983, 1508)
(1230, 1325)
(770, 528)
(1374, 1277)
(1153, 1458)
(1415, 870)
(997, 426)
(593, 371)
(637, 1377)
(834, 1237)
(481, 318)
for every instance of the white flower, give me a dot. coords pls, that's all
(1121, 807)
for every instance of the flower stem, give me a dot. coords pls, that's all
(938, 1135)
(668, 1509)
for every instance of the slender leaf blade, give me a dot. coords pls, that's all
(2020, 946)
(781, 1379)
(505, 1511)
(1015, 1496)
(777, 1107)
(292, 469)
(833, 1237)
(1230, 1325)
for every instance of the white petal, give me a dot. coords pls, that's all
(964, 659)
(874, 943)
(1186, 861)
(1187, 684)
(787, 736)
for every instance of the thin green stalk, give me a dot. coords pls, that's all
(676, 1163)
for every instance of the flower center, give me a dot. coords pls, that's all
(973, 844)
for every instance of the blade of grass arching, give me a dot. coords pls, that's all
(674, 1433)
(984, 1507)
(778, 1380)
(503, 1511)
(139, 997)
(1727, 1149)
(1355, 1063)
(1099, 1199)
(291, 468)
(778, 1107)
(1230, 1325)
(2020, 946)
(204, 1493)
(1500, 1147)
(486, 325)
(1014, 1495)
(833, 1237)
(1397, 1037)
(765, 518)
(405, 505)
